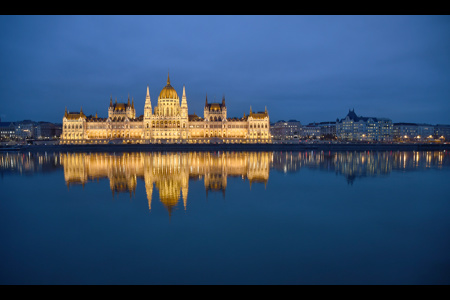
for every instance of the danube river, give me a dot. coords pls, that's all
(233, 217)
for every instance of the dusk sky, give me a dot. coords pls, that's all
(309, 68)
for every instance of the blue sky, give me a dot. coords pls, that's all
(309, 68)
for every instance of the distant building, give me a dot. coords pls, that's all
(404, 131)
(7, 130)
(442, 131)
(413, 132)
(47, 130)
(282, 130)
(312, 130)
(327, 129)
(24, 129)
(425, 131)
(358, 128)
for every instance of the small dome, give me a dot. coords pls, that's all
(168, 92)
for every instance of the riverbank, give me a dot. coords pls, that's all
(230, 147)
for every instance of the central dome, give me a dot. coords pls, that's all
(168, 92)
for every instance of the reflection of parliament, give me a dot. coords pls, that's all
(168, 123)
(169, 172)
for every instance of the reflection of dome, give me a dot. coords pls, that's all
(168, 92)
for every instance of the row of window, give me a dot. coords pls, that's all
(73, 126)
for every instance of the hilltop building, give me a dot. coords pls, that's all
(168, 122)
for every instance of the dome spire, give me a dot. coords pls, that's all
(168, 79)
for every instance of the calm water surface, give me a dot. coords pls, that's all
(225, 218)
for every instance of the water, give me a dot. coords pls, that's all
(225, 218)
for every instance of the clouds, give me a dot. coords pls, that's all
(309, 68)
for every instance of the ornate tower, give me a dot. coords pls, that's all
(147, 116)
(206, 109)
(224, 109)
(184, 115)
(131, 112)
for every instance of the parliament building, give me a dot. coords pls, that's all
(168, 122)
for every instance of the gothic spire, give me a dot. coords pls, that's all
(147, 97)
(183, 98)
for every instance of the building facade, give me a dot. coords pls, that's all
(357, 128)
(442, 131)
(327, 130)
(290, 130)
(417, 132)
(312, 130)
(168, 122)
(47, 130)
(7, 131)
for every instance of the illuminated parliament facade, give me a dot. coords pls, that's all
(168, 122)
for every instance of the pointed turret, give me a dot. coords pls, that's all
(183, 98)
(110, 101)
(147, 97)
(148, 105)
(206, 101)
